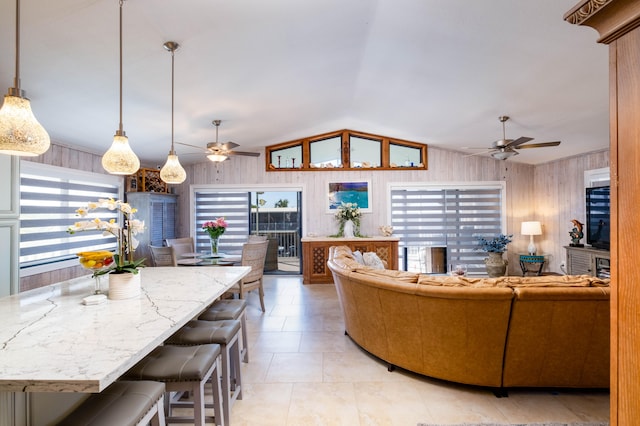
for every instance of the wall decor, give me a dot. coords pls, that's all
(358, 192)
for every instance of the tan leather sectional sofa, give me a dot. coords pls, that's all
(548, 331)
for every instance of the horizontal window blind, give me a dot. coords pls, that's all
(234, 207)
(49, 197)
(447, 217)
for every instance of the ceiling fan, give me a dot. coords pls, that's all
(219, 151)
(506, 148)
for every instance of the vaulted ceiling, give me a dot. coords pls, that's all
(438, 72)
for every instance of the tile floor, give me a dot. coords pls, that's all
(304, 371)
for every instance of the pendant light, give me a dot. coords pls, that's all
(172, 171)
(120, 158)
(20, 132)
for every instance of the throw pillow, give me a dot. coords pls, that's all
(358, 257)
(371, 259)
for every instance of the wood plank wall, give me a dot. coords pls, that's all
(560, 197)
(551, 193)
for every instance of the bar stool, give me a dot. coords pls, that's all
(225, 333)
(230, 309)
(124, 403)
(184, 369)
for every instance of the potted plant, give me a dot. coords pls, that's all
(496, 265)
(124, 268)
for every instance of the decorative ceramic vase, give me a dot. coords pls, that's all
(214, 246)
(496, 265)
(124, 286)
(349, 229)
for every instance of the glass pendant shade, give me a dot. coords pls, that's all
(172, 171)
(20, 132)
(120, 158)
(217, 158)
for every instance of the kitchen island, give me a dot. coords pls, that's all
(51, 342)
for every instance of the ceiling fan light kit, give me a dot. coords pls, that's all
(120, 158)
(217, 158)
(218, 152)
(506, 148)
(172, 172)
(20, 132)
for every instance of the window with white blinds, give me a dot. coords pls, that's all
(49, 197)
(448, 217)
(234, 206)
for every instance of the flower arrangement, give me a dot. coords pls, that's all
(345, 212)
(125, 235)
(215, 228)
(494, 245)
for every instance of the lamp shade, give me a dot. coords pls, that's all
(217, 158)
(531, 228)
(172, 171)
(120, 158)
(503, 155)
(20, 131)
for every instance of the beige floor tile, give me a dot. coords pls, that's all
(390, 403)
(304, 371)
(295, 367)
(322, 341)
(286, 341)
(323, 404)
(265, 404)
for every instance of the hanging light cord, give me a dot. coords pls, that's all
(15, 91)
(172, 64)
(120, 132)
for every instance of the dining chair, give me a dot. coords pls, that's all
(162, 256)
(182, 246)
(183, 240)
(253, 255)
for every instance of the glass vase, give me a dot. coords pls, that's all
(214, 246)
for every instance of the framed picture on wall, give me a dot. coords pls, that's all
(357, 192)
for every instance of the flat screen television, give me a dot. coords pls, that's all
(598, 201)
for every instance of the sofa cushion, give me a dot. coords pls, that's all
(404, 276)
(343, 257)
(358, 257)
(513, 282)
(372, 259)
(554, 281)
(455, 281)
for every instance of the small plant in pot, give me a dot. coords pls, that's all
(496, 265)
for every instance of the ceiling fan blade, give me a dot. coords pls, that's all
(246, 154)
(191, 146)
(229, 145)
(516, 142)
(485, 151)
(539, 145)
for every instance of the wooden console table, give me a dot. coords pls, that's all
(315, 252)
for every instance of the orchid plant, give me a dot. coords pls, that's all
(345, 212)
(125, 234)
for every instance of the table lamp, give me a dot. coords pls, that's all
(531, 229)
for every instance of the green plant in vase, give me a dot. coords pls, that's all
(215, 229)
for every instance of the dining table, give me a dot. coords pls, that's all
(51, 342)
(207, 259)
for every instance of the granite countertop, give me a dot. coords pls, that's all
(51, 342)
